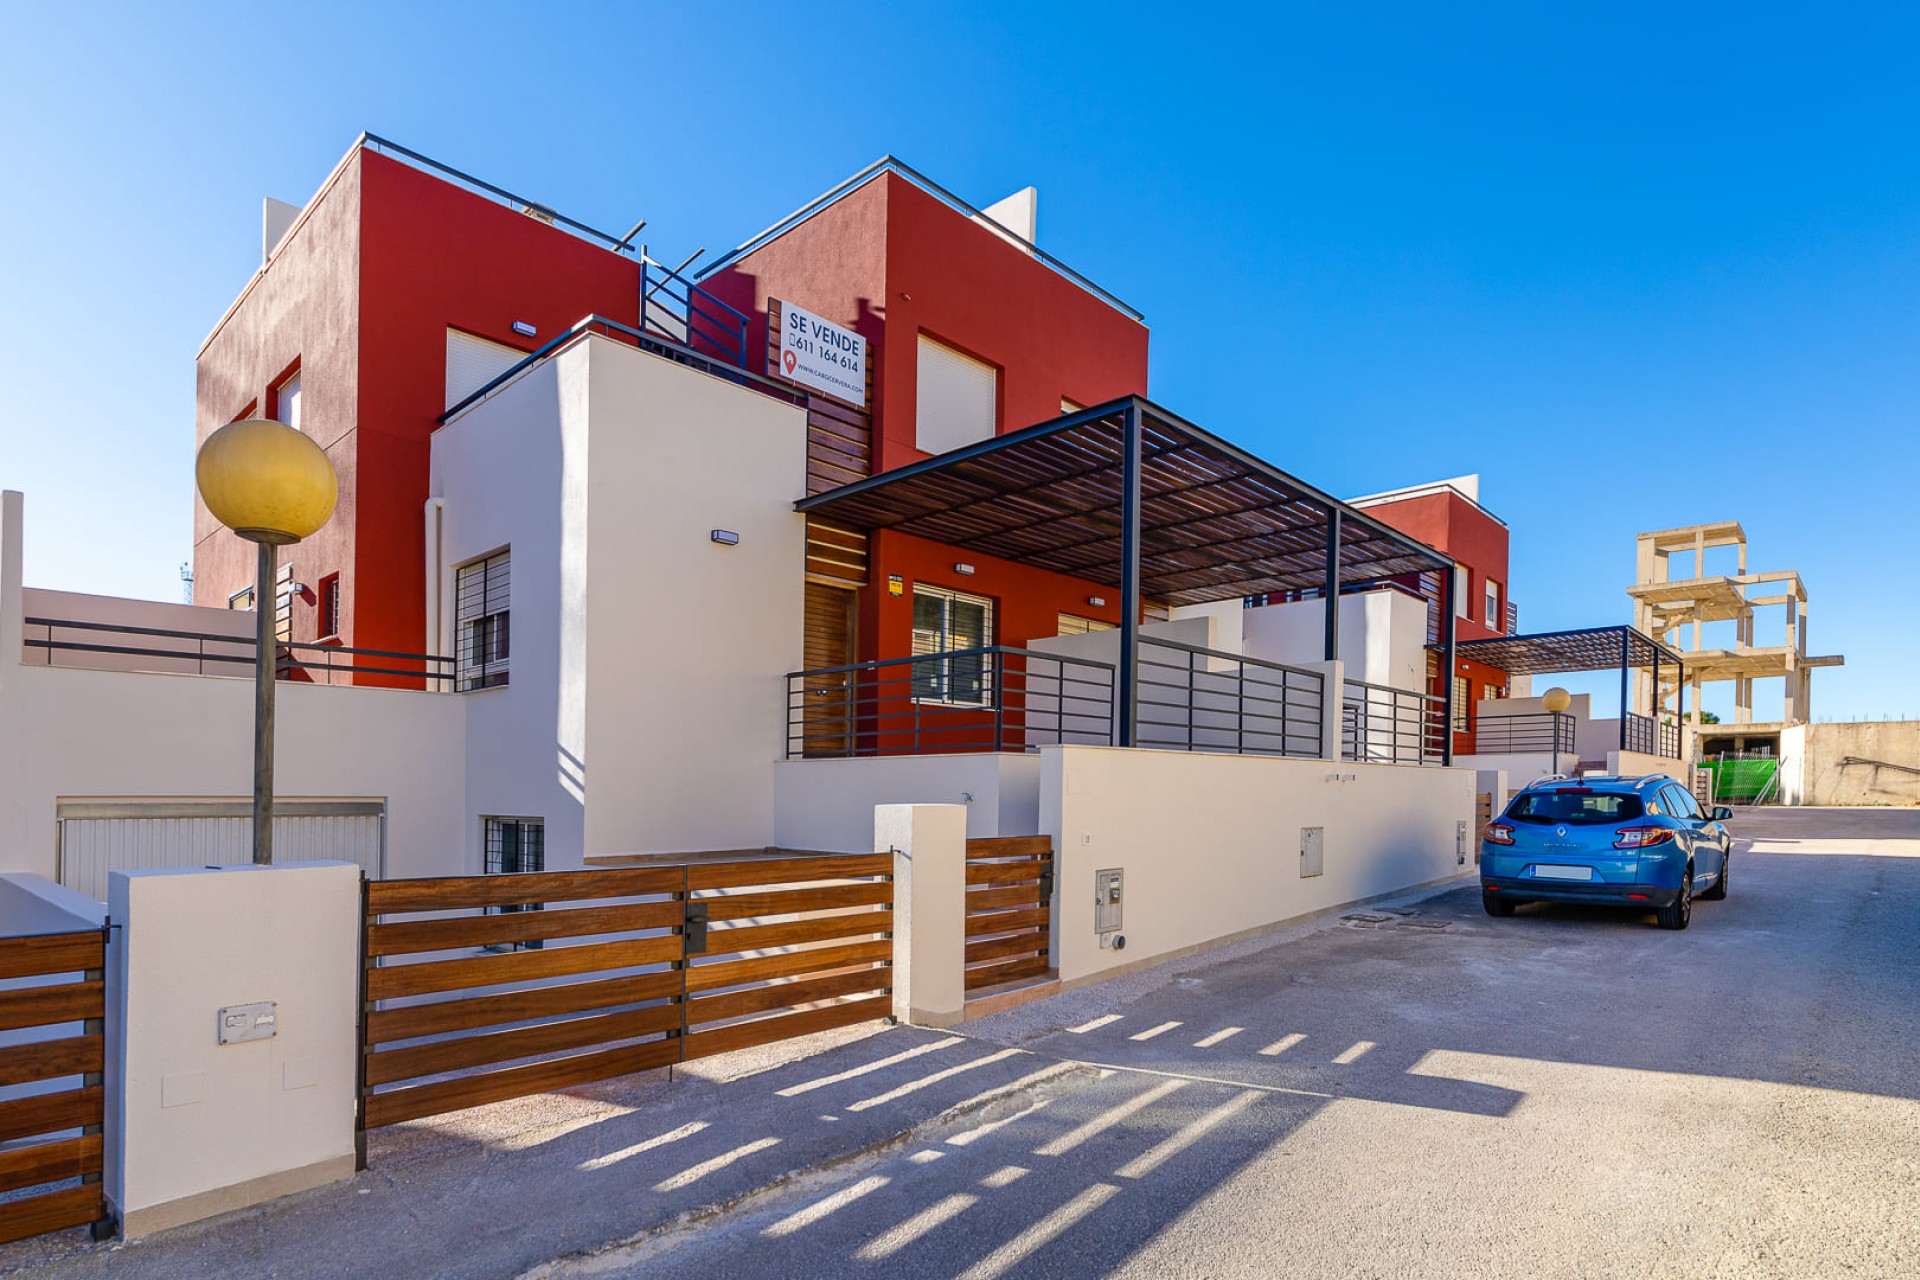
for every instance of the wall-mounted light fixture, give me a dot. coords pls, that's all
(964, 569)
(524, 329)
(725, 537)
(1098, 602)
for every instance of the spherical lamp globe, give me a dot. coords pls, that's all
(1556, 700)
(266, 481)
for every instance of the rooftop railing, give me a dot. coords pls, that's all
(104, 646)
(1523, 734)
(1195, 699)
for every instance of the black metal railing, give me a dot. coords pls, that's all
(1383, 725)
(1649, 737)
(676, 308)
(987, 699)
(1528, 732)
(1194, 699)
(165, 651)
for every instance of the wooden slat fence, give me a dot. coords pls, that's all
(1009, 909)
(52, 1015)
(483, 988)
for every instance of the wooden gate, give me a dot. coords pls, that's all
(48, 983)
(1009, 910)
(482, 988)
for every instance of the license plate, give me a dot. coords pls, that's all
(1562, 873)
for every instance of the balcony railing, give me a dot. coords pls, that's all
(1383, 725)
(987, 699)
(1194, 699)
(104, 646)
(1524, 734)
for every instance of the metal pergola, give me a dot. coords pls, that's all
(1128, 496)
(1588, 649)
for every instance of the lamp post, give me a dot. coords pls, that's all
(273, 486)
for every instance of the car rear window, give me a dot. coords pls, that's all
(1574, 808)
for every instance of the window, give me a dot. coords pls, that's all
(1074, 625)
(1462, 704)
(1575, 808)
(1493, 605)
(1681, 804)
(474, 362)
(286, 400)
(515, 846)
(1462, 585)
(482, 633)
(958, 398)
(330, 605)
(241, 601)
(949, 622)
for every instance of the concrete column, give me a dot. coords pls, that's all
(197, 1127)
(929, 845)
(12, 603)
(1332, 699)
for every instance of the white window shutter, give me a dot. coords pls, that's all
(474, 362)
(958, 398)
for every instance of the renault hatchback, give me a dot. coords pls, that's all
(1631, 842)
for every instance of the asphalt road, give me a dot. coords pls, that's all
(1565, 1093)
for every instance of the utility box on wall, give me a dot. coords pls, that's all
(1109, 894)
(1313, 851)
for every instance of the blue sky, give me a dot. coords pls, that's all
(1637, 266)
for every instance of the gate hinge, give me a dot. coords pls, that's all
(695, 929)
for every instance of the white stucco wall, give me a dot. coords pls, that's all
(643, 712)
(196, 1127)
(1211, 844)
(828, 804)
(73, 606)
(1383, 636)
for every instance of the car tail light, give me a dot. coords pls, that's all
(1499, 833)
(1640, 837)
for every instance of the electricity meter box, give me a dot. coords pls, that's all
(1108, 893)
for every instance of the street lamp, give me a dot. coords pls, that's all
(273, 486)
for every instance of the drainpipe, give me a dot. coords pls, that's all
(435, 516)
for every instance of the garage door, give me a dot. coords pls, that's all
(98, 837)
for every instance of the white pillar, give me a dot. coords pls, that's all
(1332, 688)
(929, 846)
(197, 1127)
(12, 605)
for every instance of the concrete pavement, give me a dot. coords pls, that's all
(1418, 1090)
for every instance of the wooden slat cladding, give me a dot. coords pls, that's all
(41, 1020)
(613, 987)
(836, 553)
(1009, 909)
(839, 433)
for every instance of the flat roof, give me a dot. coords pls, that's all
(1216, 522)
(1552, 652)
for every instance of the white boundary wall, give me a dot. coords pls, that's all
(1210, 844)
(829, 804)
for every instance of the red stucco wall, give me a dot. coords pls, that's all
(361, 296)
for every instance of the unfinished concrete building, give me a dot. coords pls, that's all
(1664, 605)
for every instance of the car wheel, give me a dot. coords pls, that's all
(1719, 889)
(1677, 915)
(1495, 904)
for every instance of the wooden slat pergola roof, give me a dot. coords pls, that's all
(1558, 652)
(1216, 522)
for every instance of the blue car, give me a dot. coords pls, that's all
(1630, 842)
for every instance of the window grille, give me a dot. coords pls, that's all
(1462, 705)
(1072, 624)
(481, 590)
(515, 846)
(330, 605)
(948, 622)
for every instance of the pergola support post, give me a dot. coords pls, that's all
(1626, 654)
(1451, 578)
(1129, 690)
(1333, 585)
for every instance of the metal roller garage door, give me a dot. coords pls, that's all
(102, 836)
